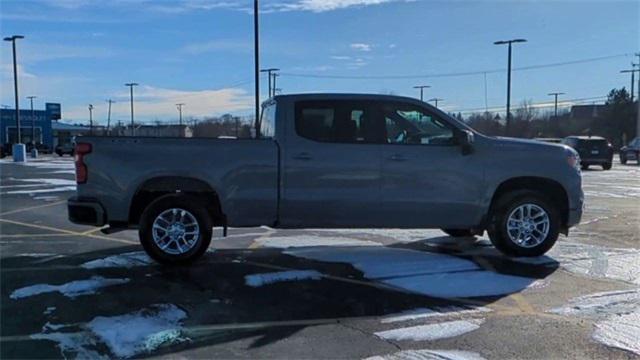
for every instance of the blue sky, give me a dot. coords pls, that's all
(200, 51)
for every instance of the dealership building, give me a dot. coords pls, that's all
(37, 124)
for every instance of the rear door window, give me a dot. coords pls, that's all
(338, 122)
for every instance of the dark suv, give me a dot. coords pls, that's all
(593, 150)
(631, 151)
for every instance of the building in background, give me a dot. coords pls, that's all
(42, 125)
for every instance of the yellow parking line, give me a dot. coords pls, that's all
(522, 303)
(33, 207)
(74, 233)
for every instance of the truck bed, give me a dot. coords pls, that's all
(243, 172)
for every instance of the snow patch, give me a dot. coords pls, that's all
(70, 289)
(127, 260)
(618, 315)
(139, 332)
(429, 355)
(431, 274)
(257, 280)
(620, 331)
(432, 331)
(311, 240)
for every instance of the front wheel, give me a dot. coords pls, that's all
(524, 224)
(175, 229)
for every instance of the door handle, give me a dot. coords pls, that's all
(302, 156)
(397, 157)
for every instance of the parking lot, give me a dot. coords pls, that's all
(72, 291)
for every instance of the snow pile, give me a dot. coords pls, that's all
(617, 314)
(44, 185)
(432, 274)
(397, 235)
(70, 289)
(127, 260)
(429, 355)
(139, 332)
(126, 335)
(257, 280)
(432, 331)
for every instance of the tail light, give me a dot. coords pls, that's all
(82, 173)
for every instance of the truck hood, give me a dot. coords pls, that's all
(526, 144)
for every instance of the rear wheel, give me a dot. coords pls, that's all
(175, 229)
(458, 232)
(623, 158)
(606, 166)
(524, 224)
(584, 166)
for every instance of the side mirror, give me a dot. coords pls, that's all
(465, 140)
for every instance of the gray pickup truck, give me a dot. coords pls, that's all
(331, 161)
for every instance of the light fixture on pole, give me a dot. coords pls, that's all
(509, 42)
(131, 85)
(18, 149)
(421, 87)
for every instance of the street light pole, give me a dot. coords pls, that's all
(509, 42)
(33, 121)
(131, 85)
(633, 80)
(256, 65)
(18, 151)
(109, 117)
(555, 106)
(90, 119)
(435, 100)
(179, 106)
(422, 87)
(270, 73)
(275, 76)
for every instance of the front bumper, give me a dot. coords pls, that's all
(86, 211)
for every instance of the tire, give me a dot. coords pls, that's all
(606, 166)
(623, 158)
(584, 166)
(59, 153)
(507, 206)
(458, 232)
(191, 211)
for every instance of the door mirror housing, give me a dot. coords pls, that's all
(465, 140)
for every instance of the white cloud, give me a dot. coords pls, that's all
(340, 57)
(325, 5)
(158, 103)
(361, 47)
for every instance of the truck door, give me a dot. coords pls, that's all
(331, 166)
(426, 180)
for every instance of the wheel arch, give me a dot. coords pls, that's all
(551, 189)
(153, 188)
